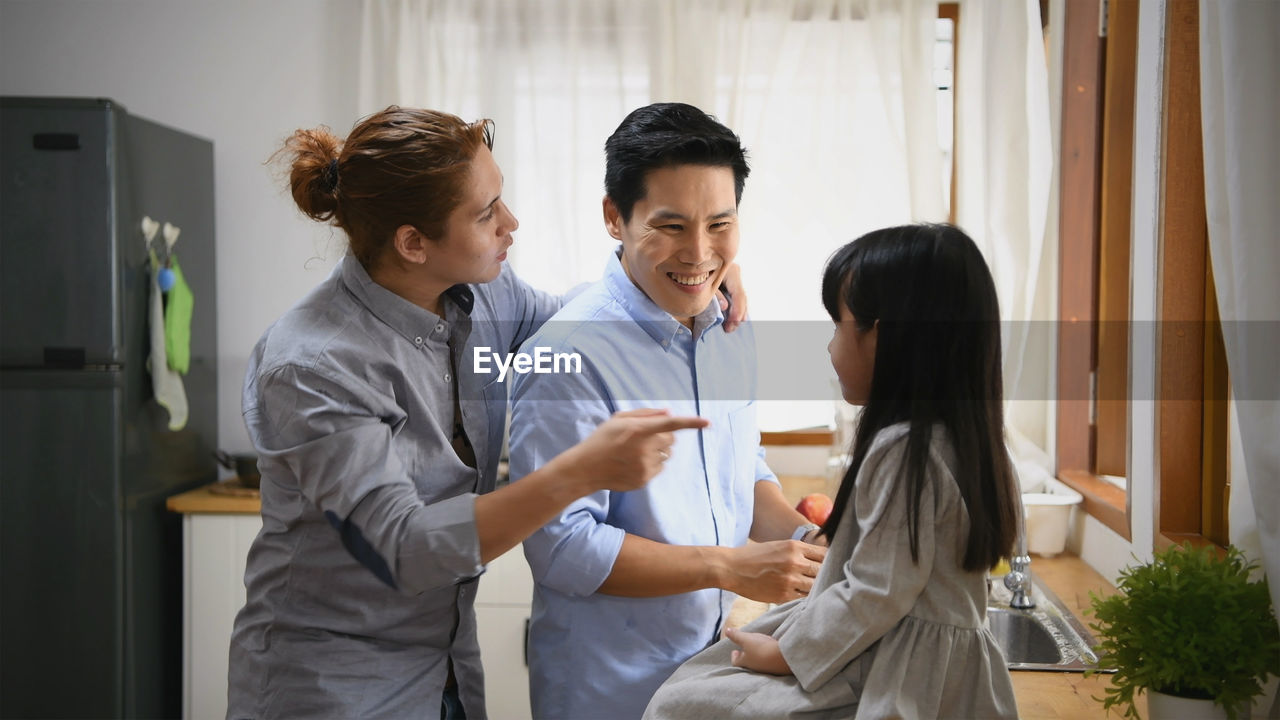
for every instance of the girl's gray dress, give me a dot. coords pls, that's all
(879, 636)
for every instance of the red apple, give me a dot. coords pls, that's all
(815, 507)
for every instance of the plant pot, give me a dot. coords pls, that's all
(1172, 707)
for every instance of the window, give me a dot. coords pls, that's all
(1081, 280)
(1191, 372)
(1093, 361)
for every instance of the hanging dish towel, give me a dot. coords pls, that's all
(166, 384)
(177, 320)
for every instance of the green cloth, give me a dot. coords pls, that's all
(166, 383)
(177, 320)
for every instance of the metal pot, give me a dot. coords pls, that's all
(244, 465)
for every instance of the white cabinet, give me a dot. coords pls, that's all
(215, 546)
(503, 606)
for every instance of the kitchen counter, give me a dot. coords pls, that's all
(228, 496)
(1041, 695)
(223, 497)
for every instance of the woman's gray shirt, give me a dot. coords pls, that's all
(362, 581)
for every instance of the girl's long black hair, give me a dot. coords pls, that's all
(937, 360)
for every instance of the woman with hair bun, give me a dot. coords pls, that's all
(379, 440)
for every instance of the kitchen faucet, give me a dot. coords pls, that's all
(1018, 580)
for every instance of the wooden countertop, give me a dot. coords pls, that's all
(795, 487)
(207, 500)
(217, 498)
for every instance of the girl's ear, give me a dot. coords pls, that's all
(866, 344)
(612, 218)
(410, 244)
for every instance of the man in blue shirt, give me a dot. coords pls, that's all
(631, 584)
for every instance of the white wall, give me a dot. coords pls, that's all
(242, 73)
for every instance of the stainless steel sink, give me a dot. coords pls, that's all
(1022, 638)
(1045, 637)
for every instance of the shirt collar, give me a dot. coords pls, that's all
(410, 320)
(658, 323)
(462, 296)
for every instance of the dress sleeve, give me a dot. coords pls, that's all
(881, 582)
(335, 438)
(573, 553)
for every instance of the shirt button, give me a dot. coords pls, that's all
(447, 377)
(417, 341)
(440, 327)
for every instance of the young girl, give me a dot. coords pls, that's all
(894, 624)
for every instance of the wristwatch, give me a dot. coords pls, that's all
(803, 530)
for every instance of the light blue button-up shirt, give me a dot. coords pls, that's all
(601, 656)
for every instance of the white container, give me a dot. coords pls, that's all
(1049, 516)
(1172, 707)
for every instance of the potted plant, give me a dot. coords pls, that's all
(1189, 624)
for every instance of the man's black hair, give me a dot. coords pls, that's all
(665, 135)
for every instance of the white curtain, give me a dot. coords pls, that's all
(556, 76)
(1004, 166)
(835, 101)
(838, 105)
(1240, 111)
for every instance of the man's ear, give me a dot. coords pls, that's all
(410, 244)
(612, 218)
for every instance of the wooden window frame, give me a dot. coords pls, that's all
(1081, 256)
(1191, 467)
(951, 11)
(1191, 378)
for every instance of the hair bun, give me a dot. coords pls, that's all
(331, 175)
(312, 157)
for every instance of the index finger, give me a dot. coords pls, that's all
(660, 424)
(643, 412)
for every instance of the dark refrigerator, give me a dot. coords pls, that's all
(90, 560)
